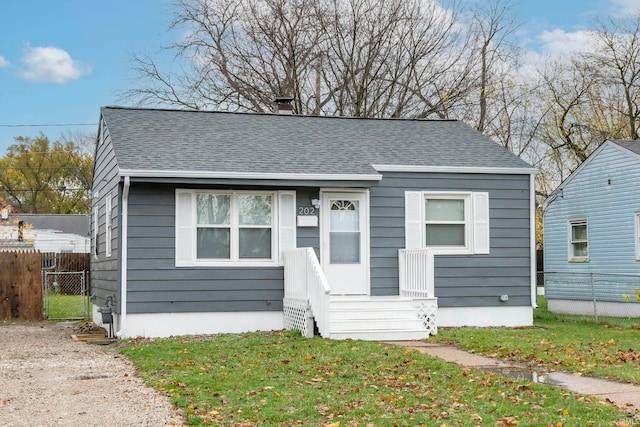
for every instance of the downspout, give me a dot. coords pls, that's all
(532, 201)
(123, 256)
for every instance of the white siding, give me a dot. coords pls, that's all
(606, 192)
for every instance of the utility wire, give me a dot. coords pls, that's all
(45, 125)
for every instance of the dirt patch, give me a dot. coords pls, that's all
(48, 379)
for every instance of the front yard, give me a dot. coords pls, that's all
(280, 378)
(609, 350)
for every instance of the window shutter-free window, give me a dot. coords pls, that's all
(637, 223)
(578, 240)
(108, 225)
(287, 221)
(96, 213)
(413, 202)
(185, 222)
(481, 242)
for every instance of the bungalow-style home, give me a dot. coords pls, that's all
(53, 233)
(592, 234)
(207, 222)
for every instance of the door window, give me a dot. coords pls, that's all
(344, 232)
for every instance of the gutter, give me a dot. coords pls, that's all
(123, 257)
(532, 201)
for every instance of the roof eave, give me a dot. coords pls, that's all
(456, 169)
(152, 173)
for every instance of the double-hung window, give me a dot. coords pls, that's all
(225, 227)
(235, 226)
(578, 240)
(447, 222)
(108, 224)
(637, 223)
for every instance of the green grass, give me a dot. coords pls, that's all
(66, 306)
(282, 379)
(609, 350)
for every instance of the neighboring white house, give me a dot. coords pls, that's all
(46, 233)
(592, 234)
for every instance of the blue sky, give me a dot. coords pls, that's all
(61, 60)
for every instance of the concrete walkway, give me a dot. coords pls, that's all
(625, 396)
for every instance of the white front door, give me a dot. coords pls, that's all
(344, 242)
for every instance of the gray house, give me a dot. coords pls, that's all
(592, 234)
(207, 222)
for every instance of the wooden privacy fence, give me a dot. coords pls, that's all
(21, 281)
(21, 285)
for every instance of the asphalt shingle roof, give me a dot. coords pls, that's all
(163, 140)
(629, 145)
(66, 223)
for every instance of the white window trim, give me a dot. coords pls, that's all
(466, 249)
(570, 242)
(96, 216)
(188, 231)
(108, 225)
(477, 230)
(637, 234)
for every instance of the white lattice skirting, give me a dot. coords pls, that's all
(296, 312)
(428, 312)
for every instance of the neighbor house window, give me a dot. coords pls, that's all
(578, 240)
(226, 227)
(637, 221)
(447, 222)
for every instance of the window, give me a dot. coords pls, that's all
(233, 227)
(637, 221)
(108, 225)
(578, 240)
(96, 212)
(447, 222)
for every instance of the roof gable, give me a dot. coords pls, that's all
(197, 143)
(631, 148)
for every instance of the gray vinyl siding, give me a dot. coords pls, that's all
(465, 280)
(155, 285)
(105, 270)
(605, 192)
(308, 237)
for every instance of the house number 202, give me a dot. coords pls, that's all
(306, 210)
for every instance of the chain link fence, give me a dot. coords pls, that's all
(592, 294)
(65, 295)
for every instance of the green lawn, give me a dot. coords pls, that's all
(610, 349)
(282, 379)
(66, 306)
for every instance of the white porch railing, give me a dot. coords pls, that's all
(415, 268)
(416, 273)
(306, 292)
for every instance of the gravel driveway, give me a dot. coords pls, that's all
(48, 379)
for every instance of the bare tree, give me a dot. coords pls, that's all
(617, 57)
(234, 55)
(493, 26)
(347, 57)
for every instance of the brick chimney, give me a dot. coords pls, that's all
(282, 105)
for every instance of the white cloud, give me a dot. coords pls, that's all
(3, 62)
(559, 43)
(51, 65)
(625, 7)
